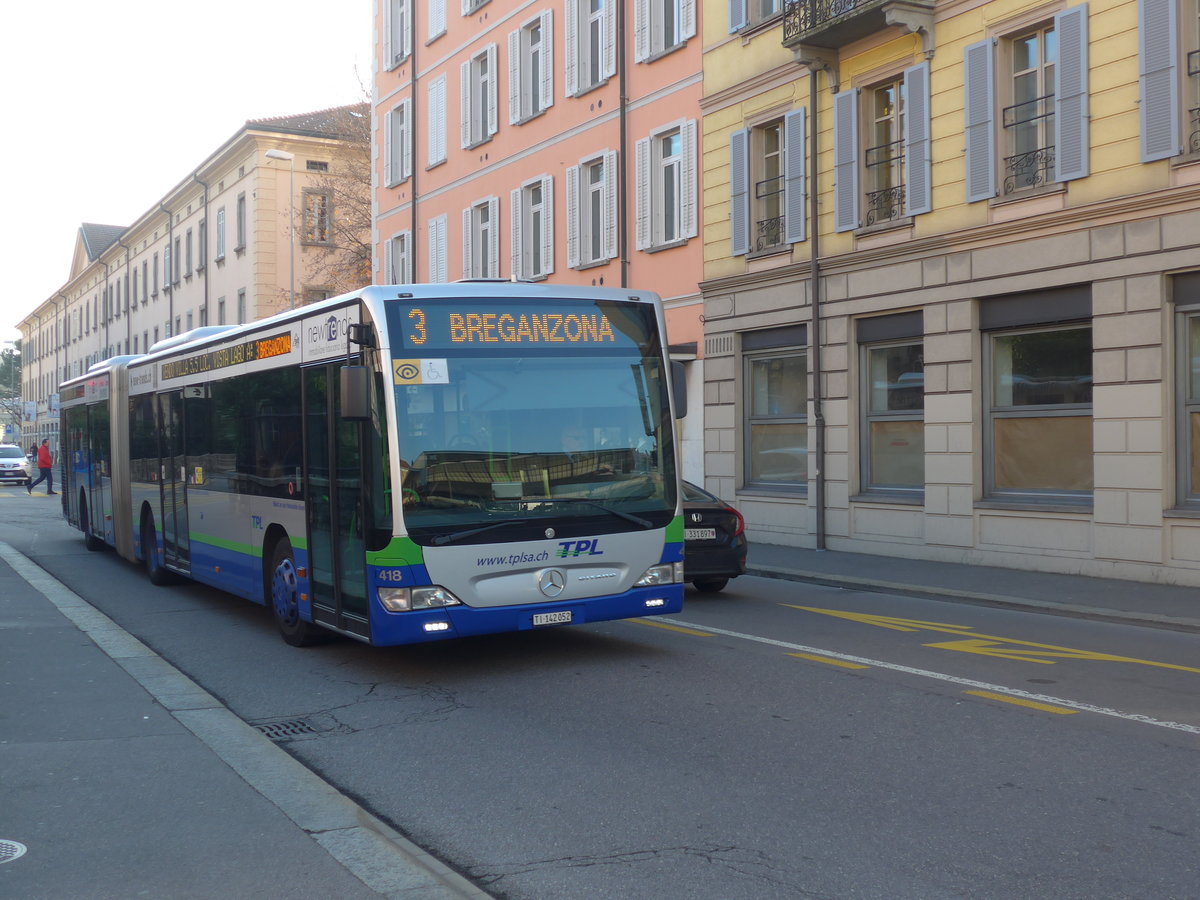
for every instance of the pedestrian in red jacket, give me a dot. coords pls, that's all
(46, 467)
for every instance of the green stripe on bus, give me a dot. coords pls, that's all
(400, 551)
(675, 530)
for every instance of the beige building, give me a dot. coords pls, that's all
(1003, 364)
(275, 216)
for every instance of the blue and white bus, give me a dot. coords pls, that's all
(398, 464)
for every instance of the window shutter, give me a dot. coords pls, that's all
(492, 88)
(571, 40)
(641, 30)
(609, 193)
(610, 40)
(795, 161)
(437, 120)
(493, 238)
(406, 28)
(687, 19)
(464, 7)
(918, 191)
(737, 15)
(547, 85)
(845, 160)
(687, 202)
(518, 238)
(739, 193)
(979, 106)
(547, 226)
(389, 59)
(389, 148)
(1071, 94)
(433, 244)
(406, 139)
(464, 104)
(437, 18)
(514, 76)
(1157, 81)
(574, 173)
(389, 275)
(642, 194)
(468, 243)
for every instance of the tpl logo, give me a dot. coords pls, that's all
(579, 548)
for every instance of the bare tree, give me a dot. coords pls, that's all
(340, 259)
(11, 406)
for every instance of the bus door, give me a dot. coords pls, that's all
(334, 500)
(99, 473)
(173, 482)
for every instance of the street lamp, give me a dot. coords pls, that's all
(291, 158)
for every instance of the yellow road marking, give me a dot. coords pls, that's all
(1032, 704)
(668, 627)
(825, 659)
(986, 644)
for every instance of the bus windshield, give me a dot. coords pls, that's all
(530, 415)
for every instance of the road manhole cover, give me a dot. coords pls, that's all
(10, 850)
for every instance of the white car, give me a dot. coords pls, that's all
(13, 464)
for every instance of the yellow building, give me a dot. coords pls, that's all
(1000, 362)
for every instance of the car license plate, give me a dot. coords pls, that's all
(563, 617)
(699, 534)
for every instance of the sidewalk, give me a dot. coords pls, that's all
(1158, 605)
(121, 777)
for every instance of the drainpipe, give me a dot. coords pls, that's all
(128, 324)
(204, 243)
(63, 339)
(622, 149)
(105, 310)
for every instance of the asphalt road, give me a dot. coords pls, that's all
(778, 740)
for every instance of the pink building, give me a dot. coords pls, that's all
(554, 141)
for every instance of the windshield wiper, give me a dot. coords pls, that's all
(471, 532)
(629, 517)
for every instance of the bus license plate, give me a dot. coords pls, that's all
(699, 534)
(563, 617)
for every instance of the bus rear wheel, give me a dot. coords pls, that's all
(89, 540)
(283, 596)
(159, 575)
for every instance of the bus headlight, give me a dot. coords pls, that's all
(665, 573)
(396, 599)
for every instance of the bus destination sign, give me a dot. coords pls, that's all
(248, 351)
(446, 326)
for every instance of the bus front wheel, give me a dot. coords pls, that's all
(283, 596)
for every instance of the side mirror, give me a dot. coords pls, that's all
(679, 388)
(355, 383)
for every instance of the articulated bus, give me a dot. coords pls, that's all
(399, 464)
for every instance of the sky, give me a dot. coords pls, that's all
(110, 105)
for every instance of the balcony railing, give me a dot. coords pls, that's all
(769, 230)
(835, 23)
(1194, 139)
(1026, 171)
(885, 163)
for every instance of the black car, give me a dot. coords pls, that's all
(714, 540)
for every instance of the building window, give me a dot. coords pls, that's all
(188, 257)
(437, 121)
(177, 257)
(666, 187)
(532, 208)
(1042, 107)
(318, 218)
(241, 306)
(146, 280)
(884, 159)
(592, 211)
(591, 44)
(481, 239)
(747, 13)
(397, 44)
(438, 260)
(240, 225)
(203, 316)
(316, 165)
(202, 247)
(776, 404)
(470, 6)
(478, 93)
(220, 310)
(167, 267)
(660, 26)
(531, 69)
(398, 259)
(767, 199)
(893, 433)
(1186, 293)
(1039, 399)
(189, 320)
(397, 151)
(155, 282)
(220, 234)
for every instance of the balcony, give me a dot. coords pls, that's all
(835, 23)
